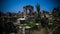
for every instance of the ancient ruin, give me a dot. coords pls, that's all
(30, 8)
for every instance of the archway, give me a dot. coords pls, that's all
(30, 8)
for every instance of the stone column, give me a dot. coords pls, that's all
(31, 12)
(25, 13)
(23, 30)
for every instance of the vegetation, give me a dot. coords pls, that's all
(48, 26)
(38, 9)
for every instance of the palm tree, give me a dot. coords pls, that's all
(38, 9)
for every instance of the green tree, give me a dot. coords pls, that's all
(38, 9)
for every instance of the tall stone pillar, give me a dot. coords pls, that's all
(25, 13)
(31, 12)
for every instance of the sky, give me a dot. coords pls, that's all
(17, 5)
